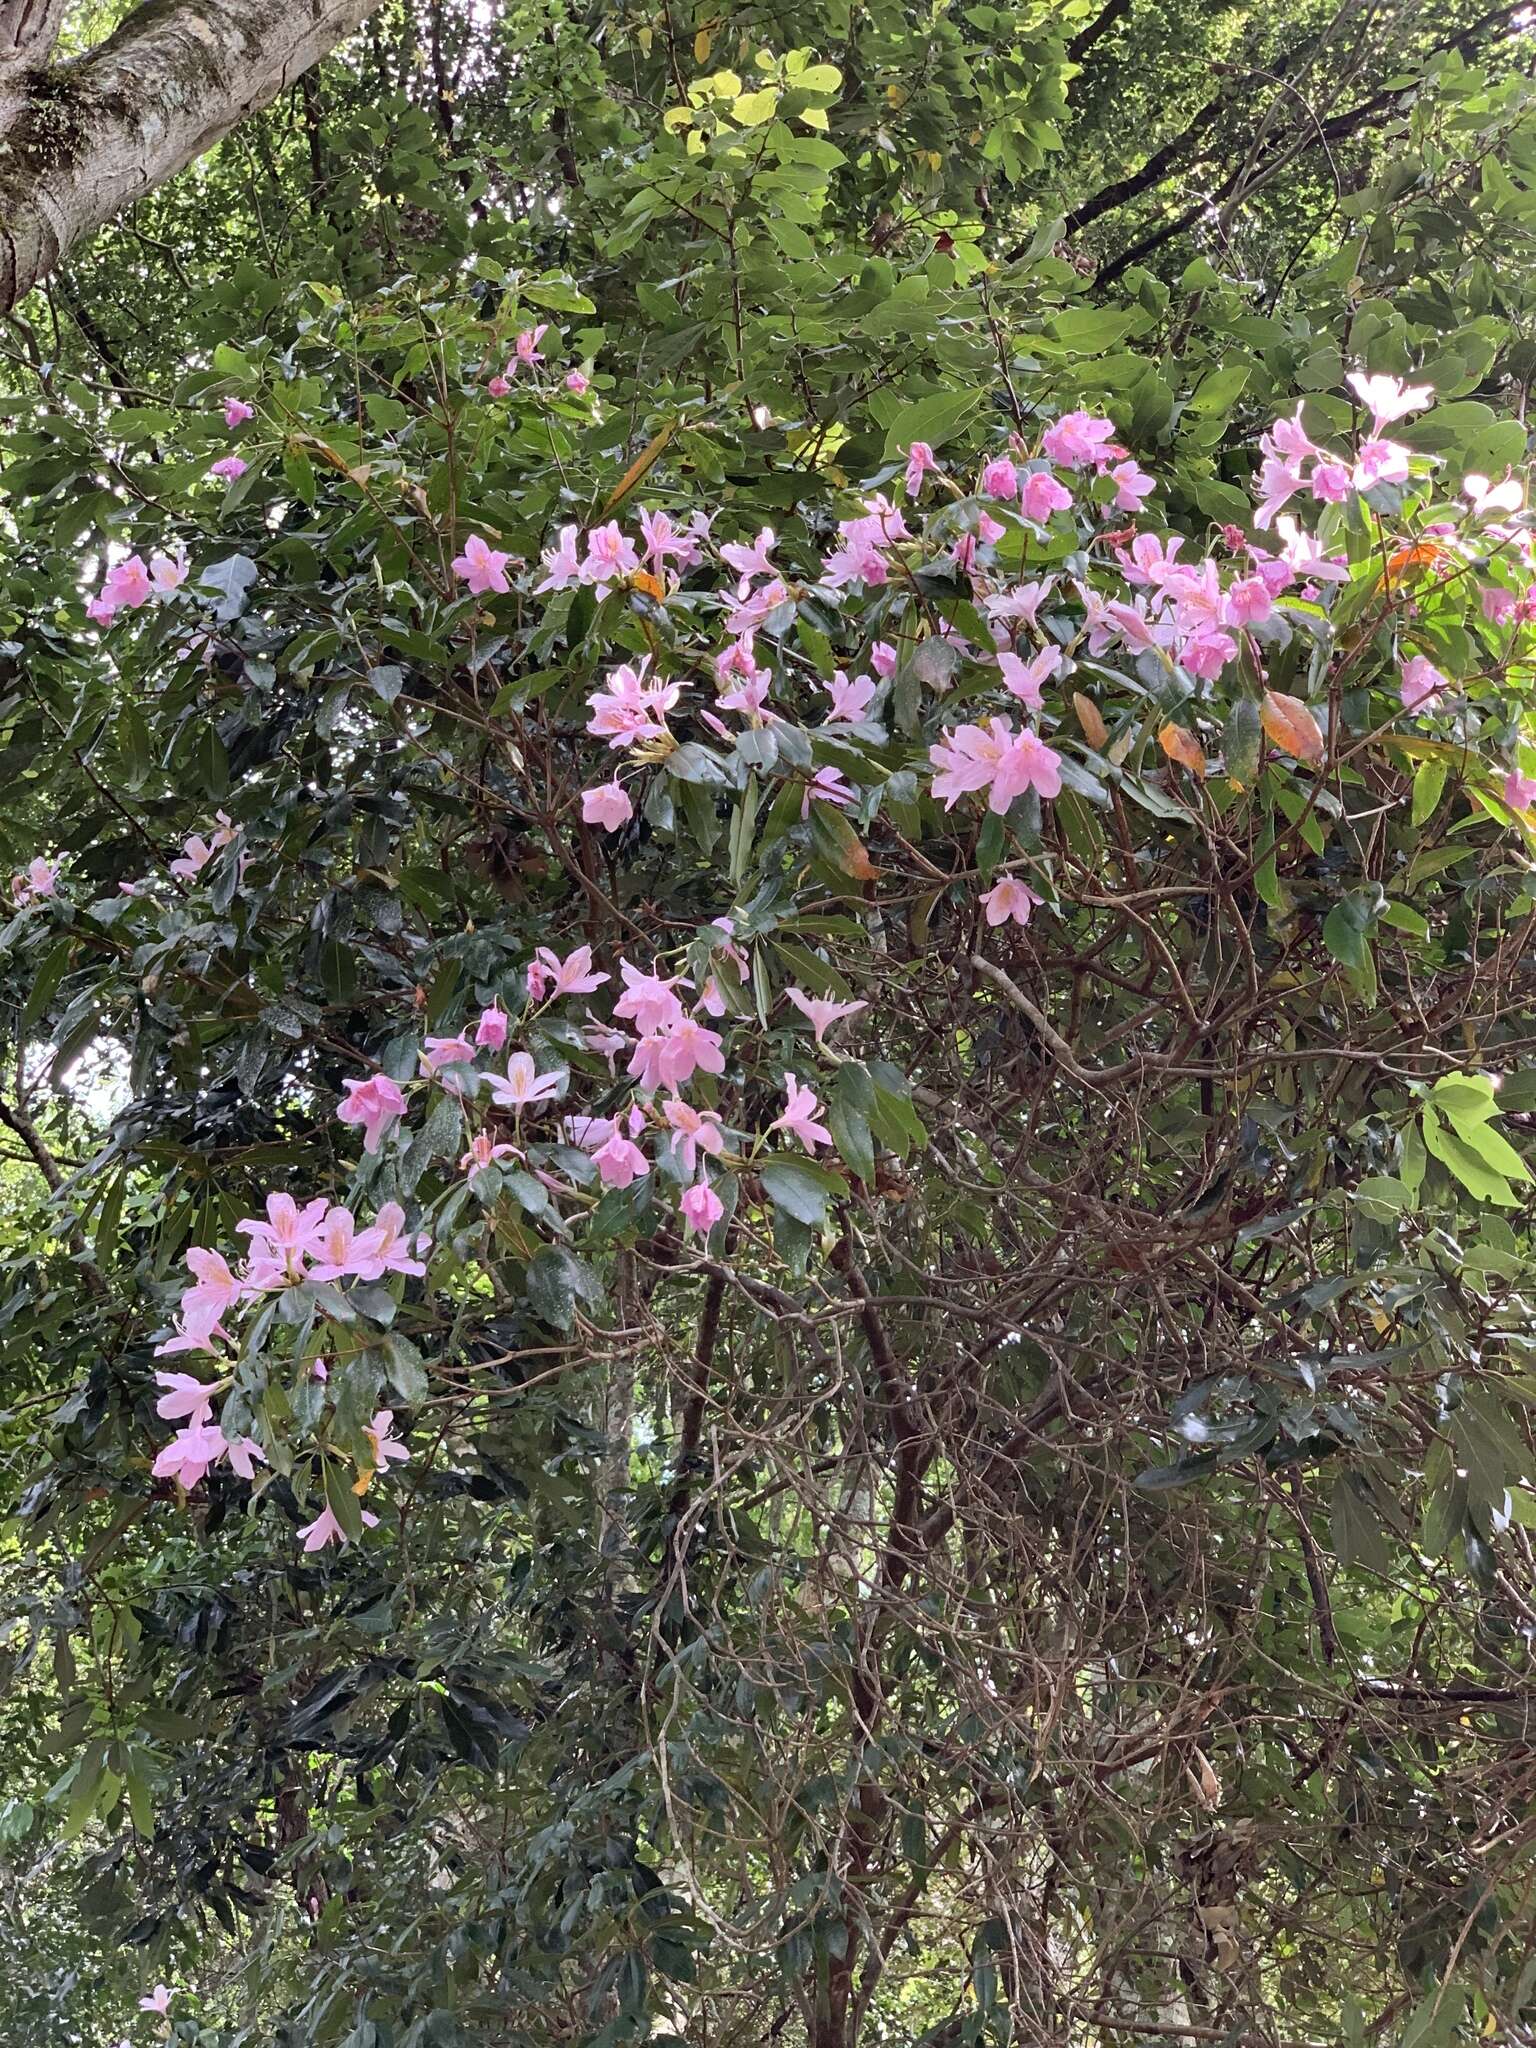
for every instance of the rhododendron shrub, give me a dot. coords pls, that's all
(802, 1158)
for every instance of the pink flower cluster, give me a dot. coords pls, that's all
(39, 879)
(129, 584)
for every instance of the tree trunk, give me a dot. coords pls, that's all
(83, 140)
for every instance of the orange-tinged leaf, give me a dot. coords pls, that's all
(1095, 731)
(648, 455)
(1421, 554)
(642, 579)
(1291, 727)
(1183, 747)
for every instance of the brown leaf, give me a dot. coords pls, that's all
(1291, 727)
(1183, 747)
(1095, 731)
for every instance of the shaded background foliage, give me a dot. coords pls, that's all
(1212, 1718)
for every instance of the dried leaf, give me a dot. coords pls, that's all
(1095, 731)
(1183, 747)
(1291, 727)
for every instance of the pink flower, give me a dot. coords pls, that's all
(610, 558)
(437, 1053)
(1000, 479)
(522, 1085)
(1278, 482)
(159, 2000)
(799, 1117)
(1077, 440)
(1023, 679)
(562, 563)
(184, 1397)
(289, 1234)
(1040, 495)
(245, 1454)
(1009, 898)
(701, 1207)
(483, 1152)
(336, 1256)
(1519, 792)
(237, 412)
(822, 1011)
(619, 1162)
(497, 386)
(920, 463)
(227, 468)
(326, 1529)
(40, 880)
(1388, 398)
(213, 1280)
(1248, 600)
(827, 786)
(375, 1104)
(850, 700)
(387, 1448)
(190, 1453)
(1380, 462)
(883, 658)
(525, 350)
(1421, 681)
(1331, 482)
(1132, 486)
(996, 758)
(607, 805)
(573, 975)
(1499, 606)
(127, 585)
(688, 1047)
(1489, 498)
(577, 382)
(1206, 652)
(663, 541)
(491, 1031)
(168, 572)
(750, 561)
(648, 1002)
(696, 1131)
(383, 1249)
(481, 567)
(630, 708)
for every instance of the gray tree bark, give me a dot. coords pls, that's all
(79, 141)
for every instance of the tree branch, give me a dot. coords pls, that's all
(84, 141)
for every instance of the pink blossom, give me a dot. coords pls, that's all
(335, 1253)
(491, 1031)
(481, 567)
(227, 468)
(1077, 439)
(1247, 601)
(1149, 561)
(1420, 682)
(190, 1454)
(827, 786)
(127, 585)
(663, 541)
(572, 976)
(1331, 482)
(607, 805)
(920, 463)
(1278, 482)
(385, 1248)
(213, 1280)
(577, 381)
(326, 1529)
(1304, 557)
(437, 1053)
(1380, 462)
(686, 1047)
(484, 1152)
(749, 697)
(701, 1207)
(1206, 652)
(1288, 440)
(525, 349)
(522, 1085)
(237, 412)
(883, 658)
(752, 561)
(799, 1117)
(695, 1131)
(196, 1327)
(996, 758)
(1132, 486)
(1009, 898)
(497, 386)
(376, 1104)
(1000, 479)
(245, 1454)
(1023, 679)
(562, 563)
(1041, 495)
(1499, 606)
(184, 1396)
(619, 1162)
(290, 1233)
(850, 700)
(648, 1001)
(1487, 498)
(168, 572)
(1388, 398)
(630, 708)
(40, 880)
(1519, 790)
(988, 529)
(159, 2000)
(387, 1448)
(822, 1011)
(610, 558)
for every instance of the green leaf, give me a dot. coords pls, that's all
(801, 1188)
(934, 419)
